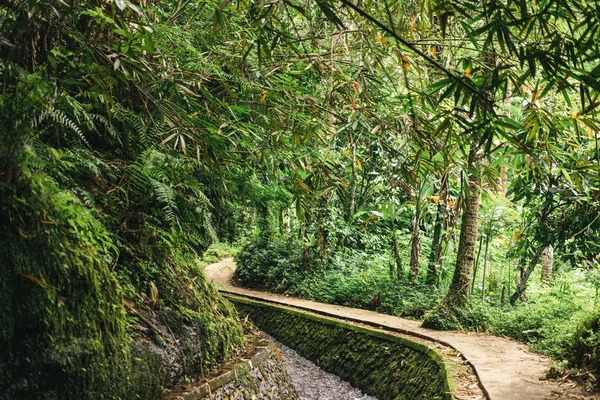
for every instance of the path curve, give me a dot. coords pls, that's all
(506, 368)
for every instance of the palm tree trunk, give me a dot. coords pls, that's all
(415, 240)
(458, 294)
(415, 254)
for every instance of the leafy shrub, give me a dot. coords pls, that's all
(352, 278)
(370, 288)
(273, 265)
(585, 346)
(217, 251)
(443, 317)
(545, 324)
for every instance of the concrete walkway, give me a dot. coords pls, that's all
(506, 368)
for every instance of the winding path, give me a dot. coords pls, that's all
(506, 368)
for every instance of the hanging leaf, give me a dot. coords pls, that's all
(329, 13)
(405, 63)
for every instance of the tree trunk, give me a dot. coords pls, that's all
(458, 294)
(262, 222)
(415, 255)
(476, 265)
(523, 283)
(305, 259)
(281, 220)
(547, 261)
(432, 273)
(485, 257)
(324, 233)
(396, 249)
(352, 201)
(415, 240)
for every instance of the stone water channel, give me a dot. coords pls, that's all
(313, 383)
(265, 370)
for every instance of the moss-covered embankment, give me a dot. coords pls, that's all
(65, 333)
(388, 367)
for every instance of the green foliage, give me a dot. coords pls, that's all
(368, 288)
(273, 265)
(217, 251)
(444, 317)
(585, 348)
(352, 278)
(96, 207)
(158, 128)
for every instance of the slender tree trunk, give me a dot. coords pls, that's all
(415, 240)
(547, 262)
(305, 259)
(323, 233)
(432, 273)
(415, 254)
(458, 293)
(523, 283)
(396, 250)
(352, 202)
(264, 227)
(281, 218)
(476, 265)
(485, 258)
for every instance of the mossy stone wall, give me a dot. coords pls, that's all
(385, 366)
(264, 376)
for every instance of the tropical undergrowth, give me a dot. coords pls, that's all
(557, 317)
(104, 226)
(351, 277)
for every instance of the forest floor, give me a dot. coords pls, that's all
(506, 369)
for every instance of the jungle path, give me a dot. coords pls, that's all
(506, 368)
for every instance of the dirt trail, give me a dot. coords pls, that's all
(506, 368)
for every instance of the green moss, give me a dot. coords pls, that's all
(63, 334)
(63, 330)
(385, 366)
